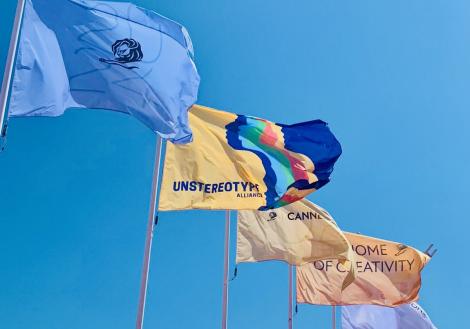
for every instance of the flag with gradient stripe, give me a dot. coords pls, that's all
(244, 162)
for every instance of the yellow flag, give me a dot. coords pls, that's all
(242, 162)
(298, 233)
(388, 274)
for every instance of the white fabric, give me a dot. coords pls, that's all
(406, 316)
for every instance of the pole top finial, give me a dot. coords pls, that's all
(429, 251)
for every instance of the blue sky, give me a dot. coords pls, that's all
(390, 77)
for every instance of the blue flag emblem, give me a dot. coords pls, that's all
(125, 51)
(105, 55)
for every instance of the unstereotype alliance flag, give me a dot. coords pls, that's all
(298, 233)
(105, 55)
(406, 316)
(387, 273)
(242, 162)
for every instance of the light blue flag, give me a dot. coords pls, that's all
(105, 55)
(405, 316)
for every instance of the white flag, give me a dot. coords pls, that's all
(406, 316)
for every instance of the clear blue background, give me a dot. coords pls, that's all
(391, 77)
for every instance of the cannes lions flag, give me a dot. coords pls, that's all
(243, 162)
(388, 274)
(298, 233)
(105, 55)
(406, 316)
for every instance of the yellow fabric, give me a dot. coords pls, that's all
(388, 274)
(183, 163)
(298, 233)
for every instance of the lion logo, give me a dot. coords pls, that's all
(125, 51)
(272, 216)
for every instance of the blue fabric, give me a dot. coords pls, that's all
(105, 55)
(315, 140)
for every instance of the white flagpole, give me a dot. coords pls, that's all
(149, 236)
(9, 64)
(226, 267)
(333, 316)
(289, 318)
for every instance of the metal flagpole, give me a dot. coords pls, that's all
(9, 64)
(226, 266)
(149, 236)
(289, 318)
(333, 316)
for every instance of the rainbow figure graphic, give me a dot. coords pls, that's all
(298, 159)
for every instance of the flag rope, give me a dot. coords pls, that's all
(152, 221)
(294, 298)
(235, 273)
